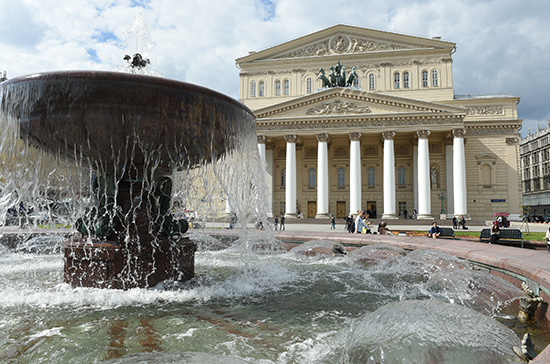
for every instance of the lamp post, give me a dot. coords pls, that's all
(442, 196)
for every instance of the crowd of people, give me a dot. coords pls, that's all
(361, 224)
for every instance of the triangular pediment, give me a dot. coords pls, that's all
(344, 39)
(347, 102)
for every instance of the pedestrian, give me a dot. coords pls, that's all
(463, 222)
(332, 222)
(405, 213)
(547, 239)
(455, 223)
(366, 229)
(415, 214)
(282, 222)
(350, 226)
(495, 233)
(276, 222)
(359, 224)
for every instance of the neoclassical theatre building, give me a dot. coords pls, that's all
(352, 118)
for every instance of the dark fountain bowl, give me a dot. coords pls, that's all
(103, 113)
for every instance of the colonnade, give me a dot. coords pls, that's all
(422, 174)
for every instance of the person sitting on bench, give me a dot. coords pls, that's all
(435, 231)
(495, 232)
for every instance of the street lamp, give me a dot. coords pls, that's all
(442, 196)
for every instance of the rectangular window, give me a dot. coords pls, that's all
(435, 79)
(406, 80)
(371, 82)
(396, 80)
(425, 79)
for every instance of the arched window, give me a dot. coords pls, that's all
(401, 176)
(283, 178)
(372, 84)
(341, 177)
(396, 80)
(312, 177)
(425, 79)
(435, 79)
(287, 87)
(253, 89)
(262, 88)
(278, 88)
(371, 177)
(406, 79)
(486, 175)
(309, 85)
(356, 81)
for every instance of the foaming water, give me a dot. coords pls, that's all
(271, 307)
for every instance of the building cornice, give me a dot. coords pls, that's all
(368, 97)
(375, 122)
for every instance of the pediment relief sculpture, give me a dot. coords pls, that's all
(342, 44)
(338, 107)
(486, 110)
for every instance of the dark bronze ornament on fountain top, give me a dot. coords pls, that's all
(137, 61)
(133, 131)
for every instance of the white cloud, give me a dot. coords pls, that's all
(502, 46)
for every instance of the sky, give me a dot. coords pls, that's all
(503, 46)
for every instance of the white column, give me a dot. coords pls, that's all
(290, 188)
(261, 146)
(459, 173)
(355, 173)
(415, 175)
(322, 176)
(389, 176)
(262, 140)
(449, 177)
(424, 192)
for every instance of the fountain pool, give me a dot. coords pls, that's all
(266, 306)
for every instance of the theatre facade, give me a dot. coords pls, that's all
(351, 118)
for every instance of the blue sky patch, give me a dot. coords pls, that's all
(267, 8)
(93, 55)
(103, 36)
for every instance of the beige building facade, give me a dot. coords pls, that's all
(392, 137)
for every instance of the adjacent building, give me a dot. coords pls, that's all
(535, 171)
(392, 138)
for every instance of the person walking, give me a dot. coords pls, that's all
(359, 224)
(282, 222)
(332, 222)
(455, 223)
(350, 227)
(463, 222)
(276, 222)
(366, 230)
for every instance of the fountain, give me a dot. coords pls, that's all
(135, 143)
(133, 131)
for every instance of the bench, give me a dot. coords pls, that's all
(506, 236)
(447, 233)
